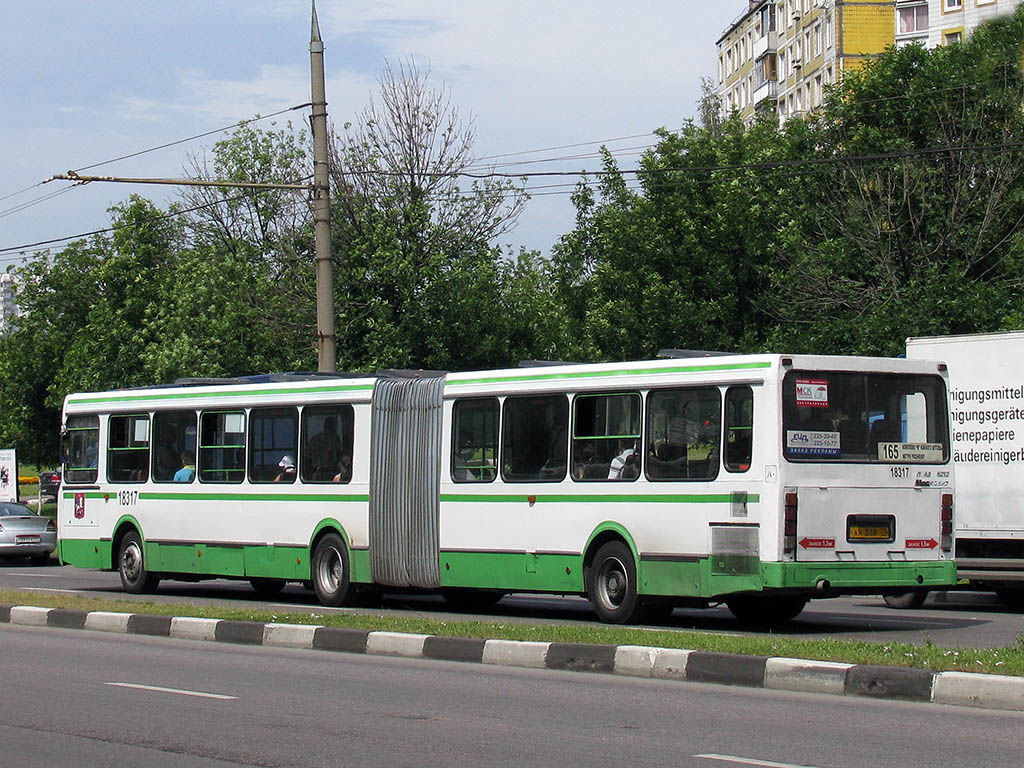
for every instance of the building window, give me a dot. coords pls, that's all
(913, 19)
(952, 5)
(953, 37)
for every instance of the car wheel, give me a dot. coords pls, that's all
(131, 565)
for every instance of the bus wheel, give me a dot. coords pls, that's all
(266, 586)
(135, 579)
(1011, 597)
(766, 610)
(611, 584)
(330, 570)
(471, 599)
(908, 600)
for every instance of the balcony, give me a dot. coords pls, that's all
(769, 89)
(766, 44)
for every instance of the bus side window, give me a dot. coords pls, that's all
(739, 428)
(222, 447)
(474, 456)
(128, 448)
(83, 443)
(273, 441)
(535, 438)
(327, 443)
(174, 445)
(684, 432)
(606, 436)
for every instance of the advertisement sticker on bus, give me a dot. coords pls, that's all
(799, 441)
(908, 453)
(812, 393)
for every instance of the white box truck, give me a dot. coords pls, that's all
(986, 400)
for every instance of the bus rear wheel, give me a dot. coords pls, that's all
(766, 610)
(611, 584)
(266, 586)
(330, 571)
(131, 565)
(907, 600)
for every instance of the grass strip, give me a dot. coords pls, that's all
(1002, 661)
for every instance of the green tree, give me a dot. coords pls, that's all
(676, 259)
(418, 281)
(911, 223)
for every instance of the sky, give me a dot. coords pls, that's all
(87, 82)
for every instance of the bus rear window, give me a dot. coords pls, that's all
(864, 417)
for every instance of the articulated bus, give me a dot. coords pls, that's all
(760, 481)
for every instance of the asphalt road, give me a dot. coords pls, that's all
(959, 620)
(96, 699)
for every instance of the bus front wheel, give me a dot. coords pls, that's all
(131, 565)
(611, 584)
(330, 571)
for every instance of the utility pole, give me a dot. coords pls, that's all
(326, 353)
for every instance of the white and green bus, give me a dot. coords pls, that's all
(760, 481)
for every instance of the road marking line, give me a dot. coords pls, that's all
(53, 589)
(158, 689)
(751, 761)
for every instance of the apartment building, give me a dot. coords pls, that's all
(778, 56)
(944, 22)
(8, 305)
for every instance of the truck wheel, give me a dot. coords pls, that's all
(907, 600)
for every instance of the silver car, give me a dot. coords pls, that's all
(24, 533)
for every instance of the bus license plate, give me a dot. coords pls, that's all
(27, 539)
(870, 532)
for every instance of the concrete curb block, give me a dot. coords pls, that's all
(971, 690)
(955, 688)
(395, 644)
(806, 675)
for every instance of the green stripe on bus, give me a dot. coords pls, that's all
(605, 374)
(226, 496)
(204, 393)
(654, 498)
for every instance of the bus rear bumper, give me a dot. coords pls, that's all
(862, 578)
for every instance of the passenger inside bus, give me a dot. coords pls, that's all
(188, 468)
(287, 467)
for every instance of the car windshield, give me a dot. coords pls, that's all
(15, 510)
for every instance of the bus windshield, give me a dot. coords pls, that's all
(833, 416)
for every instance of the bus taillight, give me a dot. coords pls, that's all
(789, 524)
(946, 517)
